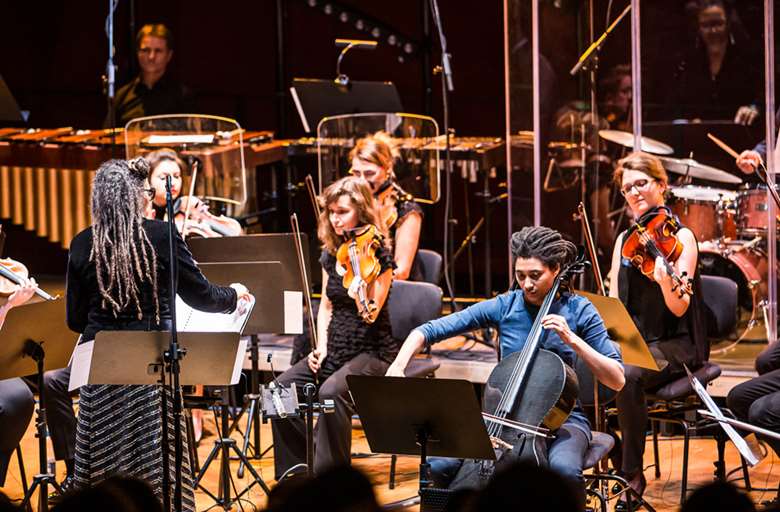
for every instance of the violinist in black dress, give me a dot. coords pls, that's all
(350, 338)
(671, 322)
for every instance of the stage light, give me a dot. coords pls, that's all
(344, 17)
(360, 25)
(328, 9)
(376, 32)
(312, 3)
(391, 39)
(408, 48)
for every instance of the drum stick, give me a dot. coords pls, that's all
(722, 145)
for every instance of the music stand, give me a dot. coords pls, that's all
(9, 109)
(317, 99)
(411, 416)
(35, 340)
(282, 293)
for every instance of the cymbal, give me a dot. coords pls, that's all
(694, 169)
(627, 139)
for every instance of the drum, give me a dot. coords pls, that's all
(708, 212)
(745, 264)
(752, 218)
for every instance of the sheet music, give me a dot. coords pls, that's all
(80, 364)
(189, 319)
(738, 441)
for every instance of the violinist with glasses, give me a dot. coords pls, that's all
(353, 333)
(654, 273)
(573, 330)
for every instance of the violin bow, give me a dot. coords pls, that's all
(583, 215)
(189, 201)
(312, 195)
(304, 280)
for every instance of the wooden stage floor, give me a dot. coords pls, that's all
(662, 493)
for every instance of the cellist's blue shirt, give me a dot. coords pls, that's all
(513, 318)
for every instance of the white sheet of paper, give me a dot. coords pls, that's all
(193, 320)
(239, 364)
(293, 312)
(81, 361)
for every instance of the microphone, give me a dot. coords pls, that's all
(360, 44)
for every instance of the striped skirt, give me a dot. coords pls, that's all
(120, 433)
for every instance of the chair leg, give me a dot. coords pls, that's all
(393, 459)
(720, 464)
(657, 464)
(686, 445)
(745, 474)
(22, 473)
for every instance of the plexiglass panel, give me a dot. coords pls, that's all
(416, 138)
(215, 143)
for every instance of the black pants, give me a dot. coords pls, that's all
(631, 402)
(16, 409)
(757, 401)
(333, 432)
(60, 418)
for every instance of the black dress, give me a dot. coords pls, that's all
(120, 427)
(354, 348)
(348, 334)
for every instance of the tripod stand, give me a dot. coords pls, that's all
(43, 479)
(222, 449)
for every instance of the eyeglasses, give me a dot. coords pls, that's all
(639, 185)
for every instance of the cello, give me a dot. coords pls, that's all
(532, 388)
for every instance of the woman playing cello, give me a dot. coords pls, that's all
(576, 331)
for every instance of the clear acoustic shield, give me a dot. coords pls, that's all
(212, 148)
(416, 139)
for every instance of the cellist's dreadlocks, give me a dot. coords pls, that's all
(545, 244)
(123, 255)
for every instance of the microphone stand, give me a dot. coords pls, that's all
(172, 357)
(447, 87)
(110, 76)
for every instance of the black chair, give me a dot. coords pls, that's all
(430, 263)
(412, 304)
(601, 443)
(672, 401)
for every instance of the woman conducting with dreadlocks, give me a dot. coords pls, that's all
(575, 331)
(118, 277)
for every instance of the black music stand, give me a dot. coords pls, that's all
(269, 315)
(410, 416)
(317, 99)
(35, 340)
(136, 358)
(9, 109)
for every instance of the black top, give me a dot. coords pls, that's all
(696, 94)
(645, 303)
(135, 100)
(86, 314)
(405, 206)
(348, 334)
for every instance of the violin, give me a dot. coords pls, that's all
(528, 395)
(13, 272)
(387, 199)
(193, 215)
(357, 263)
(654, 236)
